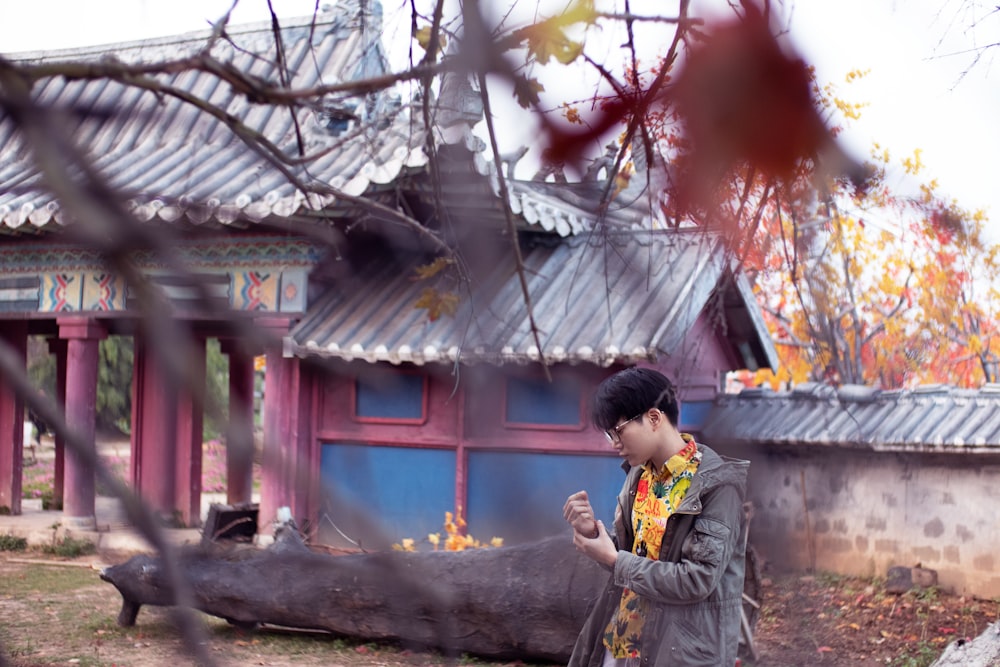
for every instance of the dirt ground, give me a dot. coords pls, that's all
(59, 612)
(830, 620)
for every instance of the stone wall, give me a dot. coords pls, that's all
(860, 512)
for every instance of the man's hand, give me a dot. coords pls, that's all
(579, 514)
(600, 549)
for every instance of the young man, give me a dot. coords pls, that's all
(677, 553)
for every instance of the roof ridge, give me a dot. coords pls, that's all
(818, 391)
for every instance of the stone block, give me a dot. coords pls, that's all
(924, 577)
(899, 579)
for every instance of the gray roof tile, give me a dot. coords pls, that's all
(929, 418)
(625, 298)
(160, 150)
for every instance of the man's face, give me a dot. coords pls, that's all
(631, 439)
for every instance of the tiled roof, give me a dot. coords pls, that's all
(626, 297)
(641, 290)
(173, 162)
(930, 418)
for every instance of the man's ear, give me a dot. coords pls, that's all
(655, 418)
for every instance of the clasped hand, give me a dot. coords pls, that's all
(589, 535)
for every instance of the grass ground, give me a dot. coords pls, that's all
(57, 612)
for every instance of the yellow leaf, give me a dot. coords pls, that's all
(437, 303)
(546, 41)
(423, 37)
(572, 115)
(581, 12)
(426, 271)
(914, 164)
(622, 180)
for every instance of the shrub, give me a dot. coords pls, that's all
(11, 542)
(69, 547)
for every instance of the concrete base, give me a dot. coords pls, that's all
(109, 533)
(79, 523)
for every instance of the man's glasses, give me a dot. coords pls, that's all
(614, 434)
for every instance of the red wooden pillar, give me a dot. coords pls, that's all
(82, 337)
(154, 431)
(239, 438)
(189, 442)
(290, 471)
(461, 458)
(57, 346)
(14, 335)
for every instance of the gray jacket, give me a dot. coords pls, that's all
(697, 585)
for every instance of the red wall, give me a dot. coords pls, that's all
(467, 413)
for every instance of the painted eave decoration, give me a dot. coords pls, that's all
(250, 273)
(932, 418)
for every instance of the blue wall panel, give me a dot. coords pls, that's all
(519, 496)
(694, 414)
(398, 396)
(542, 402)
(379, 495)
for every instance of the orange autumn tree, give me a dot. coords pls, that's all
(960, 299)
(861, 283)
(880, 289)
(865, 285)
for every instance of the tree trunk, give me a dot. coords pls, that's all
(520, 602)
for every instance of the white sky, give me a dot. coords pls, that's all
(915, 98)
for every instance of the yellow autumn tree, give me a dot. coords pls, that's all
(881, 289)
(861, 282)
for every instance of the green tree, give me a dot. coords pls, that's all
(216, 388)
(114, 383)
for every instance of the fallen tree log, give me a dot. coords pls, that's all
(519, 602)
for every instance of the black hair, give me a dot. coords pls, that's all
(630, 393)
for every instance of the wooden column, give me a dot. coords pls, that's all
(461, 457)
(57, 347)
(154, 432)
(14, 335)
(82, 337)
(189, 442)
(290, 470)
(239, 437)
